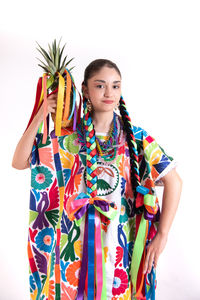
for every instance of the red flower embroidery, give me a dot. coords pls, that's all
(120, 282)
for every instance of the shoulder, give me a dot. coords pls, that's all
(139, 133)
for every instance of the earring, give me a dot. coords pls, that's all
(89, 105)
(116, 107)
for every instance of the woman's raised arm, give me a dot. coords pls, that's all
(24, 147)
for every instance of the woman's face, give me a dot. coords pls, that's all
(104, 89)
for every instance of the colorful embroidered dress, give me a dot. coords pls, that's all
(55, 245)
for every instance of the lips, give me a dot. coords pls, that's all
(108, 101)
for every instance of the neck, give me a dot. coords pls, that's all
(102, 121)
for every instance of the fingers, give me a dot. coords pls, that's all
(150, 264)
(154, 249)
(155, 261)
(150, 260)
(51, 104)
(52, 100)
(146, 264)
(52, 97)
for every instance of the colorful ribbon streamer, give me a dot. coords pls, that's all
(91, 259)
(63, 118)
(149, 202)
(60, 101)
(67, 97)
(45, 108)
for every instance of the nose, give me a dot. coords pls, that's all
(108, 92)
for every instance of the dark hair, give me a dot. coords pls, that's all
(96, 65)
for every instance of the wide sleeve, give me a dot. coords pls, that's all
(159, 162)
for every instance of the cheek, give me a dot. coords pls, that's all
(117, 94)
(96, 94)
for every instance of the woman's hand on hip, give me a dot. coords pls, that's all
(154, 249)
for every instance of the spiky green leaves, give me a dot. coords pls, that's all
(53, 62)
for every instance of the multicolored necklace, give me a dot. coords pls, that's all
(104, 147)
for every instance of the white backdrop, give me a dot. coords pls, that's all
(157, 48)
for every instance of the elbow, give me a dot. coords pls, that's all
(15, 166)
(18, 166)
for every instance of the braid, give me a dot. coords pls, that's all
(91, 158)
(135, 176)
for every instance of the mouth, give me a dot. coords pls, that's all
(108, 101)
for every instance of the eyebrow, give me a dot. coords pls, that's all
(103, 81)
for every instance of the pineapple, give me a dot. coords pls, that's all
(53, 65)
(53, 62)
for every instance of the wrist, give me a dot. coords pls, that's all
(162, 233)
(39, 117)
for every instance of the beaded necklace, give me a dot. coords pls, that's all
(111, 139)
(106, 149)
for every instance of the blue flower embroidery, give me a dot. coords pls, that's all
(44, 239)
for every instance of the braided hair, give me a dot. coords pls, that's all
(91, 69)
(91, 151)
(134, 161)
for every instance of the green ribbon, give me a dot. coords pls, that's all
(140, 241)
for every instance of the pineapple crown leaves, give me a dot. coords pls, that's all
(53, 59)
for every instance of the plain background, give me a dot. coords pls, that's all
(156, 45)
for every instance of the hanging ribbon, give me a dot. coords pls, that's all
(73, 110)
(92, 206)
(49, 82)
(60, 100)
(74, 123)
(45, 109)
(67, 98)
(79, 109)
(40, 96)
(37, 99)
(68, 110)
(149, 201)
(150, 279)
(73, 104)
(46, 83)
(62, 118)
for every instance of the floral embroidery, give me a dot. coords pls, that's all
(120, 282)
(56, 242)
(41, 178)
(72, 273)
(44, 239)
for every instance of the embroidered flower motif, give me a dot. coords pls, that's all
(44, 239)
(120, 282)
(125, 211)
(71, 143)
(41, 178)
(72, 273)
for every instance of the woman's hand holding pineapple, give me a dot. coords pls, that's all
(51, 106)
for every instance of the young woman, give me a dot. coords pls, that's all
(96, 231)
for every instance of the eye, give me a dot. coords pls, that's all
(116, 86)
(100, 86)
